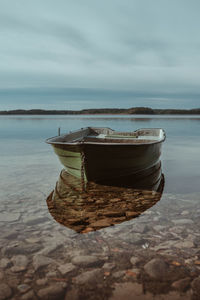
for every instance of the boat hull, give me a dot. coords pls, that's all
(103, 162)
(70, 158)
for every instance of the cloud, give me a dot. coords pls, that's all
(80, 98)
(101, 45)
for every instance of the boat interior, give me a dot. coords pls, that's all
(98, 135)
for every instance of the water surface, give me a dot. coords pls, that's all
(40, 256)
(22, 138)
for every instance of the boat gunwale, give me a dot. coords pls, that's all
(79, 143)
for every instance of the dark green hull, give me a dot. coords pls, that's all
(106, 161)
(99, 161)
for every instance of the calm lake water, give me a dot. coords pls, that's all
(169, 229)
(22, 143)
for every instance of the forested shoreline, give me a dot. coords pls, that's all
(127, 111)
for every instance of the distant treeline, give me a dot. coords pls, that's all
(128, 111)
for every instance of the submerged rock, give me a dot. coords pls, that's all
(183, 221)
(53, 292)
(109, 266)
(29, 296)
(118, 274)
(20, 263)
(5, 263)
(50, 248)
(72, 294)
(67, 268)
(35, 220)
(182, 284)
(87, 261)
(23, 288)
(134, 260)
(41, 281)
(5, 291)
(184, 244)
(156, 268)
(128, 291)
(41, 261)
(22, 248)
(140, 228)
(88, 277)
(9, 217)
(196, 285)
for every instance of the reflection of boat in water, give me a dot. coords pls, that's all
(97, 154)
(102, 206)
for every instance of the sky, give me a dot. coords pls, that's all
(75, 54)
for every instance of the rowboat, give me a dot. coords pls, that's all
(100, 154)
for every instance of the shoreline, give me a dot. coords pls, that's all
(99, 111)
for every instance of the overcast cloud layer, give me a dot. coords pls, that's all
(73, 54)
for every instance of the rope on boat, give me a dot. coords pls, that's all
(83, 171)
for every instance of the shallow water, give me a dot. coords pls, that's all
(41, 257)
